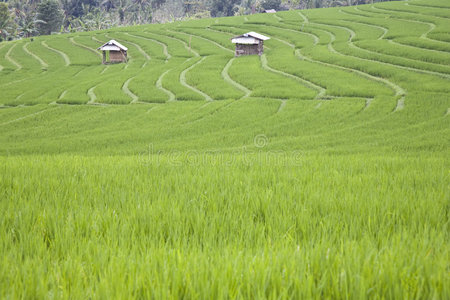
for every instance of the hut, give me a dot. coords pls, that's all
(250, 43)
(270, 11)
(117, 52)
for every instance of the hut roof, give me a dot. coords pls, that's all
(113, 45)
(249, 38)
(270, 11)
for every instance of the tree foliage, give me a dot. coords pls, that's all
(5, 20)
(51, 15)
(271, 4)
(222, 8)
(25, 18)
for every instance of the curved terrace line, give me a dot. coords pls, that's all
(367, 104)
(209, 114)
(396, 10)
(126, 90)
(85, 47)
(181, 41)
(351, 44)
(97, 40)
(400, 104)
(104, 69)
(356, 13)
(427, 5)
(184, 83)
(312, 35)
(160, 86)
(64, 55)
(203, 38)
(397, 89)
(393, 16)
(62, 95)
(421, 5)
(353, 126)
(16, 81)
(40, 60)
(384, 29)
(278, 18)
(360, 10)
(237, 85)
(11, 60)
(225, 75)
(19, 96)
(394, 41)
(305, 19)
(320, 90)
(221, 32)
(364, 13)
(27, 116)
(145, 54)
(92, 95)
(282, 105)
(165, 52)
(418, 47)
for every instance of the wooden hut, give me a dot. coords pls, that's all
(250, 43)
(117, 52)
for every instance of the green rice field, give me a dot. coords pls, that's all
(319, 170)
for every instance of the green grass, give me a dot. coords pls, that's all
(328, 181)
(85, 226)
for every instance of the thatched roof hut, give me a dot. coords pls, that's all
(250, 43)
(117, 52)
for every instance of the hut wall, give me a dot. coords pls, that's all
(116, 56)
(249, 49)
(261, 48)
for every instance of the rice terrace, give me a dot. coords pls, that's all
(318, 169)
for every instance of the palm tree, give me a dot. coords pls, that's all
(5, 20)
(27, 24)
(97, 21)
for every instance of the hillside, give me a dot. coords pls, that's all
(317, 170)
(325, 73)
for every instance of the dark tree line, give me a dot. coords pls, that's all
(25, 18)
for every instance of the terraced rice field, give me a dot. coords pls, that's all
(318, 170)
(358, 52)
